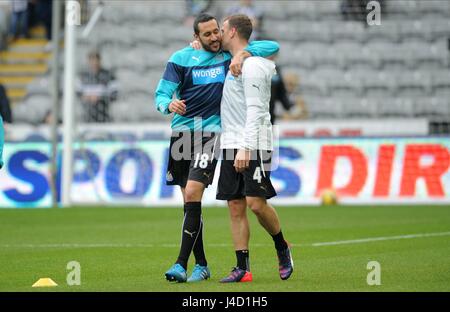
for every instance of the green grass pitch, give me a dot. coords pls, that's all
(129, 249)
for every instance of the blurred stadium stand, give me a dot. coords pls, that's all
(347, 69)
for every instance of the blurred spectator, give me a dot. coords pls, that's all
(40, 12)
(256, 16)
(19, 19)
(278, 94)
(97, 89)
(194, 8)
(298, 109)
(33, 19)
(5, 108)
(44, 13)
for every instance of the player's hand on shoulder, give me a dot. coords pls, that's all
(196, 45)
(236, 65)
(178, 107)
(237, 61)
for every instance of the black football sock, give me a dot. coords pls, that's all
(280, 243)
(190, 231)
(199, 251)
(243, 260)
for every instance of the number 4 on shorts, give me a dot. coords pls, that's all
(257, 174)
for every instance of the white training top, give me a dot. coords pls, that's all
(244, 108)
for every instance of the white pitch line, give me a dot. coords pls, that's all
(375, 239)
(76, 245)
(69, 245)
(111, 245)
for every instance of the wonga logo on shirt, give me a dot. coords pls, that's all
(210, 75)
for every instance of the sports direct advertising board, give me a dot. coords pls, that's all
(360, 170)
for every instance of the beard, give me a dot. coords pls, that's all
(207, 47)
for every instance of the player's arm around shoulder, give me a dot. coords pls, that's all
(267, 49)
(263, 48)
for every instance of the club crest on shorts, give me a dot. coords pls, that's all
(169, 176)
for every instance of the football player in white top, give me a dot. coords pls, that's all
(247, 146)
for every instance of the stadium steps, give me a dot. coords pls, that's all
(16, 81)
(11, 57)
(22, 62)
(23, 69)
(37, 32)
(16, 94)
(28, 45)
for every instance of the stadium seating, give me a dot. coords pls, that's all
(345, 66)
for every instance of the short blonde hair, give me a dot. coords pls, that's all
(242, 23)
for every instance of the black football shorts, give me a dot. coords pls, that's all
(192, 156)
(253, 181)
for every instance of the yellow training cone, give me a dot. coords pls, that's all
(45, 282)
